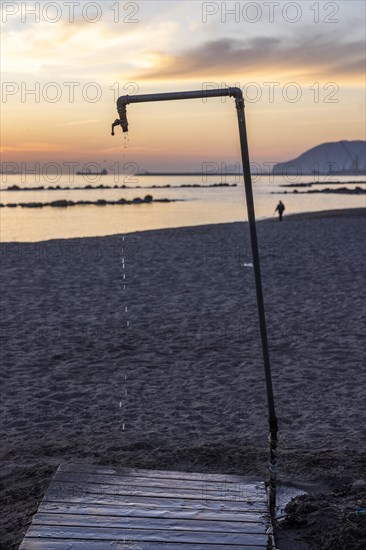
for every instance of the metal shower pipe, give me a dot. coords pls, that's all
(237, 94)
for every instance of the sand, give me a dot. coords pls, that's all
(143, 350)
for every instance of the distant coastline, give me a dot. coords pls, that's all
(89, 173)
(211, 174)
(205, 174)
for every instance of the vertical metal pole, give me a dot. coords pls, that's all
(272, 418)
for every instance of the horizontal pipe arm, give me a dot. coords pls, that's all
(169, 96)
(125, 100)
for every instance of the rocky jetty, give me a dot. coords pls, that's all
(340, 191)
(101, 186)
(148, 199)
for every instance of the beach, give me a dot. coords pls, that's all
(143, 350)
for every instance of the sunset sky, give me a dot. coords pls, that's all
(301, 66)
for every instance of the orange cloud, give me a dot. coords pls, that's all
(33, 147)
(312, 56)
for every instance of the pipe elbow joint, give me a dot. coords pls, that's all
(236, 92)
(238, 95)
(123, 100)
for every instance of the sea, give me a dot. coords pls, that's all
(196, 200)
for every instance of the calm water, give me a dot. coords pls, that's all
(199, 206)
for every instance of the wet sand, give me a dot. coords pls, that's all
(144, 351)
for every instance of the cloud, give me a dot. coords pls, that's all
(81, 50)
(309, 55)
(34, 146)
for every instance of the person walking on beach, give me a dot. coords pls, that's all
(280, 208)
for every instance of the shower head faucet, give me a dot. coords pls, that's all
(122, 120)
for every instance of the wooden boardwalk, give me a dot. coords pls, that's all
(92, 508)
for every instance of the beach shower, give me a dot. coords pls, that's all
(237, 94)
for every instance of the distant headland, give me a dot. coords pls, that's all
(341, 158)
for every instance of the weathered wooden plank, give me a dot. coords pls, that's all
(165, 474)
(96, 508)
(179, 524)
(64, 544)
(144, 481)
(152, 512)
(112, 534)
(163, 492)
(157, 503)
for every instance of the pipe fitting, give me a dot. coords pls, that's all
(122, 102)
